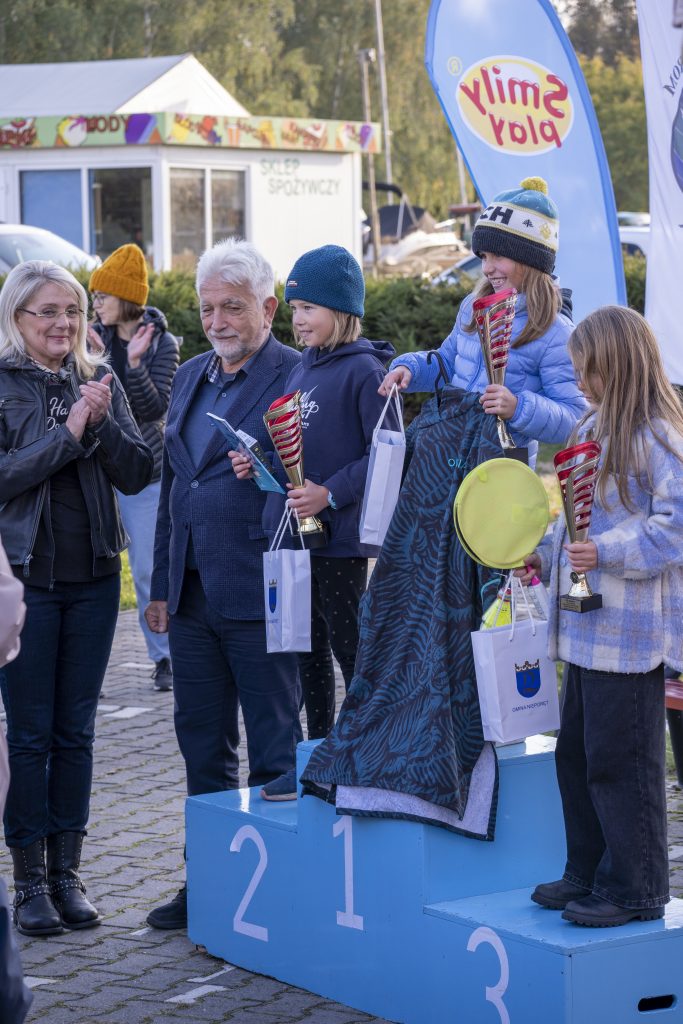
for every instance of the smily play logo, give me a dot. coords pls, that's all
(515, 105)
(528, 678)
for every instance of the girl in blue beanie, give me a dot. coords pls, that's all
(339, 376)
(516, 238)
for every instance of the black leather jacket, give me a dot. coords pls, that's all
(110, 455)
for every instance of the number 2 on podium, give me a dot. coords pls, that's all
(346, 917)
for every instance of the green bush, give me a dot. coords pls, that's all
(407, 312)
(634, 271)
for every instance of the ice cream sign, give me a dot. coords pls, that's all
(515, 105)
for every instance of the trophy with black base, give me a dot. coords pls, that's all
(576, 470)
(283, 423)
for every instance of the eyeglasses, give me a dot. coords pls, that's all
(73, 313)
(98, 297)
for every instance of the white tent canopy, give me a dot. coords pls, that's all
(178, 84)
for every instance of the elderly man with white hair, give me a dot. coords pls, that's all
(207, 587)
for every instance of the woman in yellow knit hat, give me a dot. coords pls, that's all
(144, 356)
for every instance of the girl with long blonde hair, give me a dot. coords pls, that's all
(610, 750)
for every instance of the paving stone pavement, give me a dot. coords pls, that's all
(124, 972)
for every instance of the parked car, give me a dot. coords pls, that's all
(469, 267)
(633, 219)
(634, 242)
(20, 242)
(634, 239)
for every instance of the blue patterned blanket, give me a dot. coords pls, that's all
(408, 741)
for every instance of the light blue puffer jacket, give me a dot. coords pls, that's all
(540, 374)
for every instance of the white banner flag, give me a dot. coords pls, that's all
(661, 39)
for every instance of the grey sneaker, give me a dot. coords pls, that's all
(162, 676)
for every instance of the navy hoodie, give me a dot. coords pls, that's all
(340, 407)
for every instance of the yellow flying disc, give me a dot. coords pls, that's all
(501, 512)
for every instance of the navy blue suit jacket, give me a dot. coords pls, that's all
(223, 513)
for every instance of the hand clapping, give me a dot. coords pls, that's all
(97, 396)
(139, 343)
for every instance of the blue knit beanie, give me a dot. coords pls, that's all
(522, 224)
(328, 276)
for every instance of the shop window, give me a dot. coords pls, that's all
(227, 204)
(52, 200)
(121, 209)
(188, 226)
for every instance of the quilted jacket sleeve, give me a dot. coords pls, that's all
(551, 413)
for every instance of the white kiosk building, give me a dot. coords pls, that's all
(155, 151)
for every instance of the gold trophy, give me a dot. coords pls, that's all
(576, 470)
(283, 423)
(493, 316)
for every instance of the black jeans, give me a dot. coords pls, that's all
(610, 760)
(218, 665)
(50, 692)
(337, 587)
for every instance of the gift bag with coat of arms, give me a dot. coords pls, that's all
(287, 591)
(516, 680)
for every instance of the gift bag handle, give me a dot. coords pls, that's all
(514, 584)
(440, 373)
(393, 393)
(518, 588)
(282, 526)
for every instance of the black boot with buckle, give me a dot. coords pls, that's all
(68, 891)
(34, 911)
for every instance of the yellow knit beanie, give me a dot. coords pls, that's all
(123, 274)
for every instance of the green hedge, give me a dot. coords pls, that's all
(407, 312)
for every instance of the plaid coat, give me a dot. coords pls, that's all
(639, 574)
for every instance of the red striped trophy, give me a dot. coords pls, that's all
(576, 470)
(283, 423)
(493, 316)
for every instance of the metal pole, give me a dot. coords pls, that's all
(461, 175)
(366, 57)
(384, 97)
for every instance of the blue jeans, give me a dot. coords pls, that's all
(610, 760)
(139, 515)
(218, 665)
(50, 693)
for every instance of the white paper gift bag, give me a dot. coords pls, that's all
(383, 482)
(516, 680)
(287, 592)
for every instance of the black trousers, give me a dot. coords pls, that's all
(219, 665)
(610, 769)
(337, 587)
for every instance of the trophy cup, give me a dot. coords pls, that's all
(493, 316)
(283, 423)
(576, 470)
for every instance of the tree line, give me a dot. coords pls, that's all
(299, 58)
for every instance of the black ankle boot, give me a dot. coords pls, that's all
(34, 911)
(68, 891)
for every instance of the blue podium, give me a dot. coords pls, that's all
(415, 923)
